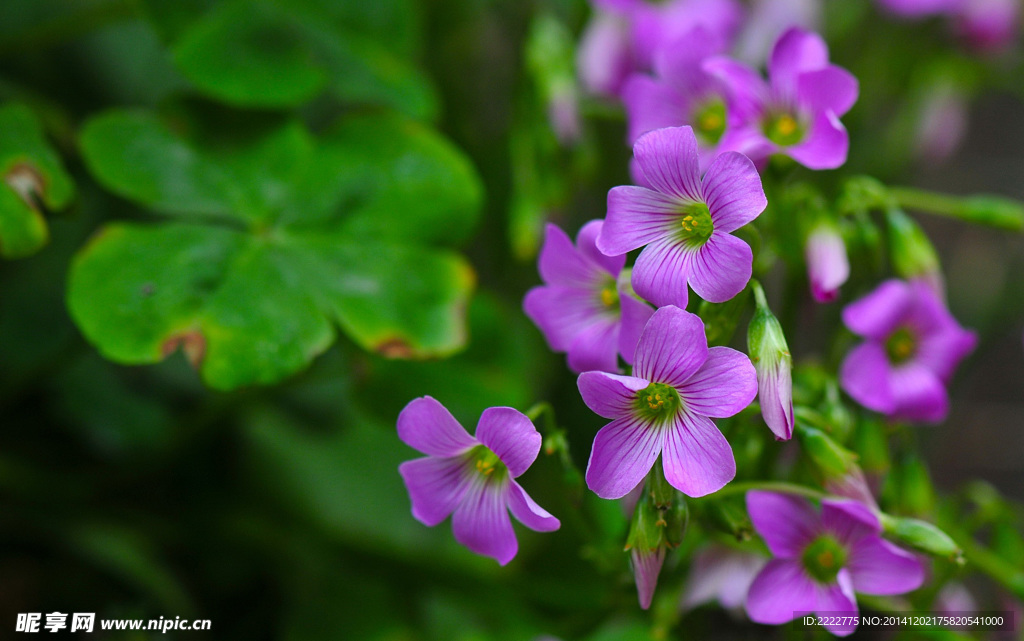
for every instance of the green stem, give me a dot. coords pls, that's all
(771, 486)
(991, 564)
(759, 297)
(1003, 213)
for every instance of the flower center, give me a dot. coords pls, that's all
(658, 402)
(609, 297)
(696, 222)
(783, 129)
(823, 558)
(709, 121)
(901, 346)
(487, 462)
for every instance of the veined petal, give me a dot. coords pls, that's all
(426, 425)
(918, 394)
(511, 435)
(780, 592)
(672, 347)
(623, 453)
(879, 567)
(865, 376)
(720, 268)
(560, 264)
(775, 393)
(435, 485)
(795, 52)
(831, 88)
(609, 395)
(786, 523)
(668, 158)
(652, 104)
(561, 313)
(879, 313)
(942, 350)
(733, 190)
(660, 273)
(679, 62)
(838, 598)
(635, 314)
(646, 568)
(697, 458)
(482, 524)
(825, 146)
(636, 216)
(724, 385)
(528, 512)
(596, 347)
(586, 245)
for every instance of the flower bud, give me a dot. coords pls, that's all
(913, 255)
(771, 358)
(659, 522)
(828, 266)
(921, 535)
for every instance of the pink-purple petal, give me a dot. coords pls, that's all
(879, 313)
(832, 88)
(879, 567)
(652, 104)
(679, 62)
(660, 273)
(826, 144)
(623, 453)
(596, 347)
(586, 245)
(848, 520)
(561, 313)
(527, 512)
(828, 266)
(636, 216)
(426, 425)
(668, 158)
(723, 386)
(746, 88)
(839, 602)
(697, 458)
(918, 394)
(482, 524)
(941, 351)
(672, 347)
(796, 51)
(786, 523)
(720, 268)
(775, 393)
(560, 264)
(511, 435)
(635, 314)
(864, 375)
(780, 592)
(609, 395)
(435, 485)
(733, 190)
(646, 568)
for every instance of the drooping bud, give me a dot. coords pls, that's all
(659, 522)
(913, 255)
(836, 466)
(828, 266)
(774, 365)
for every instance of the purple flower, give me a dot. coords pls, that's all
(919, 8)
(827, 264)
(680, 93)
(664, 409)
(584, 309)
(988, 24)
(774, 365)
(604, 58)
(659, 25)
(768, 20)
(723, 574)
(797, 113)
(472, 476)
(646, 568)
(822, 558)
(685, 223)
(913, 345)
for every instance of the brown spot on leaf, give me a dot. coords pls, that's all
(27, 182)
(192, 343)
(395, 348)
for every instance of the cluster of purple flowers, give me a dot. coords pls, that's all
(701, 124)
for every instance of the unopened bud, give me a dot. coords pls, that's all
(913, 255)
(922, 536)
(774, 365)
(828, 266)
